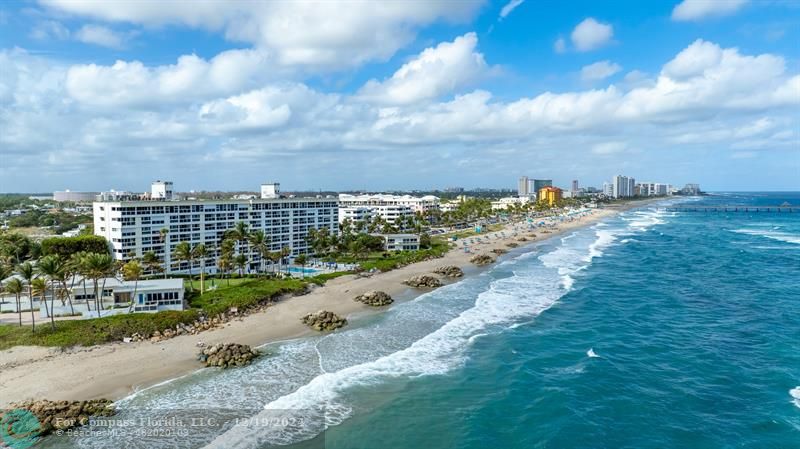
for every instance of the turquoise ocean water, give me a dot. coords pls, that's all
(648, 330)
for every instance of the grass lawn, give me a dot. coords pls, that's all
(389, 261)
(242, 293)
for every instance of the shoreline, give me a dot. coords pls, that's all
(117, 370)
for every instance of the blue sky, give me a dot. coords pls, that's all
(399, 95)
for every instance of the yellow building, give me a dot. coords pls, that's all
(550, 195)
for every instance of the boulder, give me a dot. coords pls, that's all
(423, 281)
(451, 271)
(482, 259)
(512, 244)
(499, 251)
(374, 298)
(60, 415)
(522, 239)
(227, 355)
(323, 321)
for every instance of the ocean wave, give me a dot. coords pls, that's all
(795, 394)
(508, 301)
(774, 235)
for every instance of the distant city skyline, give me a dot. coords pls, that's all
(423, 95)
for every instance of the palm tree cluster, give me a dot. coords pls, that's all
(54, 277)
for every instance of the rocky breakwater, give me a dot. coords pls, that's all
(323, 321)
(522, 239)
(499, 251)
(482, 259)
(54, 415)
(423, 281)
(227, 355)
(374, 298)
(512, 244)
(450, 271)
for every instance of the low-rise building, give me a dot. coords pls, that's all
(400, 242)
(150, 295)
(75, 197)
(504, 203)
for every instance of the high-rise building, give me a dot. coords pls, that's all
(574, 186)
(523, 188)
(549, 194)
(622, 186)
(134, 226)
(538, 184)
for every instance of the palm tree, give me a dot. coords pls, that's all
(260, 243)
(285, 252)
(301, 259)
(132, 271)
(5, 271)
(164, 233)
(27, 273)
(16, 287)
(225, 264)
(240, 262)
(74, 265)
(39, 288)
(200, 252)
(52, 268)
(183, 253)
(151, 262)
(97, 266)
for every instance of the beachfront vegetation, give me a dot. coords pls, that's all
(67, 246)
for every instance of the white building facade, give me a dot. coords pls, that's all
(135, 227)
(622, 186)
(388, 207)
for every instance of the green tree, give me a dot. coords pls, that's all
(240, 261)
(16, 287)
(151, 262)
(259, 243)
(200, 252)
(183, 253)
(51, 268)
(39, 289)
(132, 271)
(96, 267)
(225, 264)
(27, 273)
(301, 259)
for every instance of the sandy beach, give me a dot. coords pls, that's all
(116, 370)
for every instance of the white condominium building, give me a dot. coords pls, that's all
(388, 207)
(622, 186)
(135, 227)
(653, 189)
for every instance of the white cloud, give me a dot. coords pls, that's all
(509, 7)
(100, 35)
(591, 34)
(434, 72)
(606, 148)
(560, 46)
(232, 113)
(49, 30)
(599, 70)
(189, 79)
(316, 34)
(701, 9)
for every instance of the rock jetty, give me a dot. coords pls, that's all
(323, 321)
(450, 271)
(374, 298)
(423, 281)
(62, 415)
(227, 355)
(482, 259)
